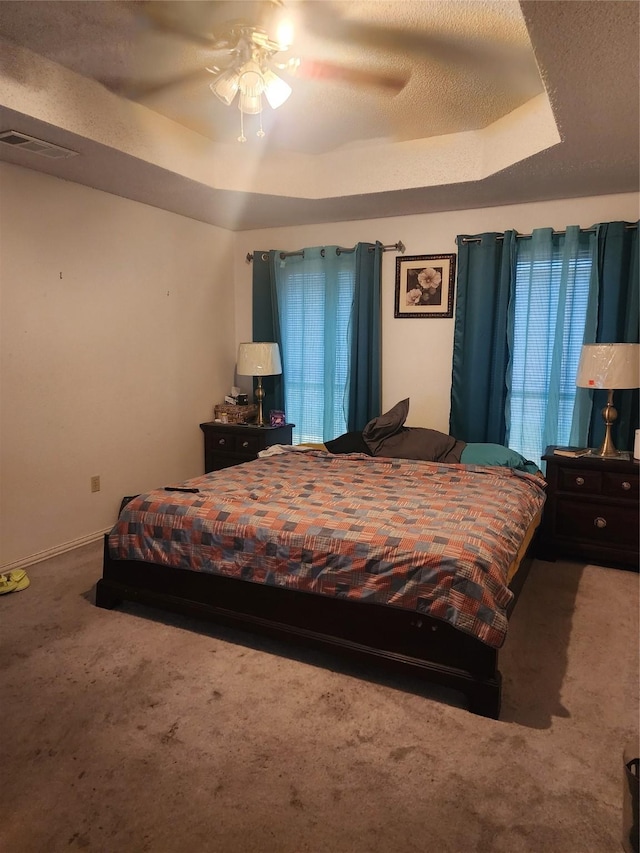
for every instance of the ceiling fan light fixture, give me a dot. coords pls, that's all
(276, 90)
(251, 78)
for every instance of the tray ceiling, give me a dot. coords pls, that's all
(501, 102)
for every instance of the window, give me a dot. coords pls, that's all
(550, 310)
(315, 309)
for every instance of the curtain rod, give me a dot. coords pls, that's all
(529, 236)
(398, 247)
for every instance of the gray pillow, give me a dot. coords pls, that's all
(387, 436)
(383, 427)
(428, 445)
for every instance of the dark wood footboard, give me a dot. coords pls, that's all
(396, 639)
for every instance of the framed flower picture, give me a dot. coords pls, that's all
(424, 286)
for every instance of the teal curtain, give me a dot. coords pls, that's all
(266, 324)
(322, 306)
(553, 312)
(365, 369)
(615, 262)
(480, 353)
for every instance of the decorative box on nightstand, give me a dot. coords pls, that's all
(591, 512)
(231, 444)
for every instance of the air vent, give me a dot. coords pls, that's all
(35, 146)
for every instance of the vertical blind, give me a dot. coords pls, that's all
(550, 310)
(315, 319)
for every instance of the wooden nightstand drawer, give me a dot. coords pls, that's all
(236, 442)
(591, 521)
(580, 480)
(620, 485)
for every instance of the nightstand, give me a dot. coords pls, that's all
(231, 444)
(591, 511)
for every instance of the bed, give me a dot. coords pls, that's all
(415, 566)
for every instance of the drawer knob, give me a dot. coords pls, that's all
(626, 486)
(579, 481)
(245, 444)
(600, 521)
(221, 441)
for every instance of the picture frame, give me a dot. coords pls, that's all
(425, 286)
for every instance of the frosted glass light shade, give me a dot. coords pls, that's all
(225, 87)
(609, 366)
(250, 105)
(276, 90)
(259, 359)
(251, 80)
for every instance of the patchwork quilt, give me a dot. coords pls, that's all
(430, 537)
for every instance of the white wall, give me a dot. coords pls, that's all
(417, 353)
(116, 341)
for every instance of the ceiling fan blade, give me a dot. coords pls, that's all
(140, 91)
(312, 69)
(169, 17)
(327, 20)
(207, 22)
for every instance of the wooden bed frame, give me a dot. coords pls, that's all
(399, 640)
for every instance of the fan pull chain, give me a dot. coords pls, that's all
(260, 133)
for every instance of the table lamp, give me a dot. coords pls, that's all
(259, 359)
(609, 366)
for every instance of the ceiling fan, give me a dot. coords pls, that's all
(252, 59)
(247, 55)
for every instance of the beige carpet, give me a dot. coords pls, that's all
(129, 730)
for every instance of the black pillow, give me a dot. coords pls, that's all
(350, 442)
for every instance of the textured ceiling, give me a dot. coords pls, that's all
(501, 103)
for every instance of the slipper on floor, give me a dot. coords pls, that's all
(14, 581)
(7, 585)
(16, 575)
(20, 578)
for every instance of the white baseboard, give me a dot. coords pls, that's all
(53, 552)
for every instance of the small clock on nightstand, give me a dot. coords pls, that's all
(591, 511)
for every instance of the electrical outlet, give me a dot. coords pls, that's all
(95, 484)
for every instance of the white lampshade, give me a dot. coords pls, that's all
(609, 366)
(259, 359)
